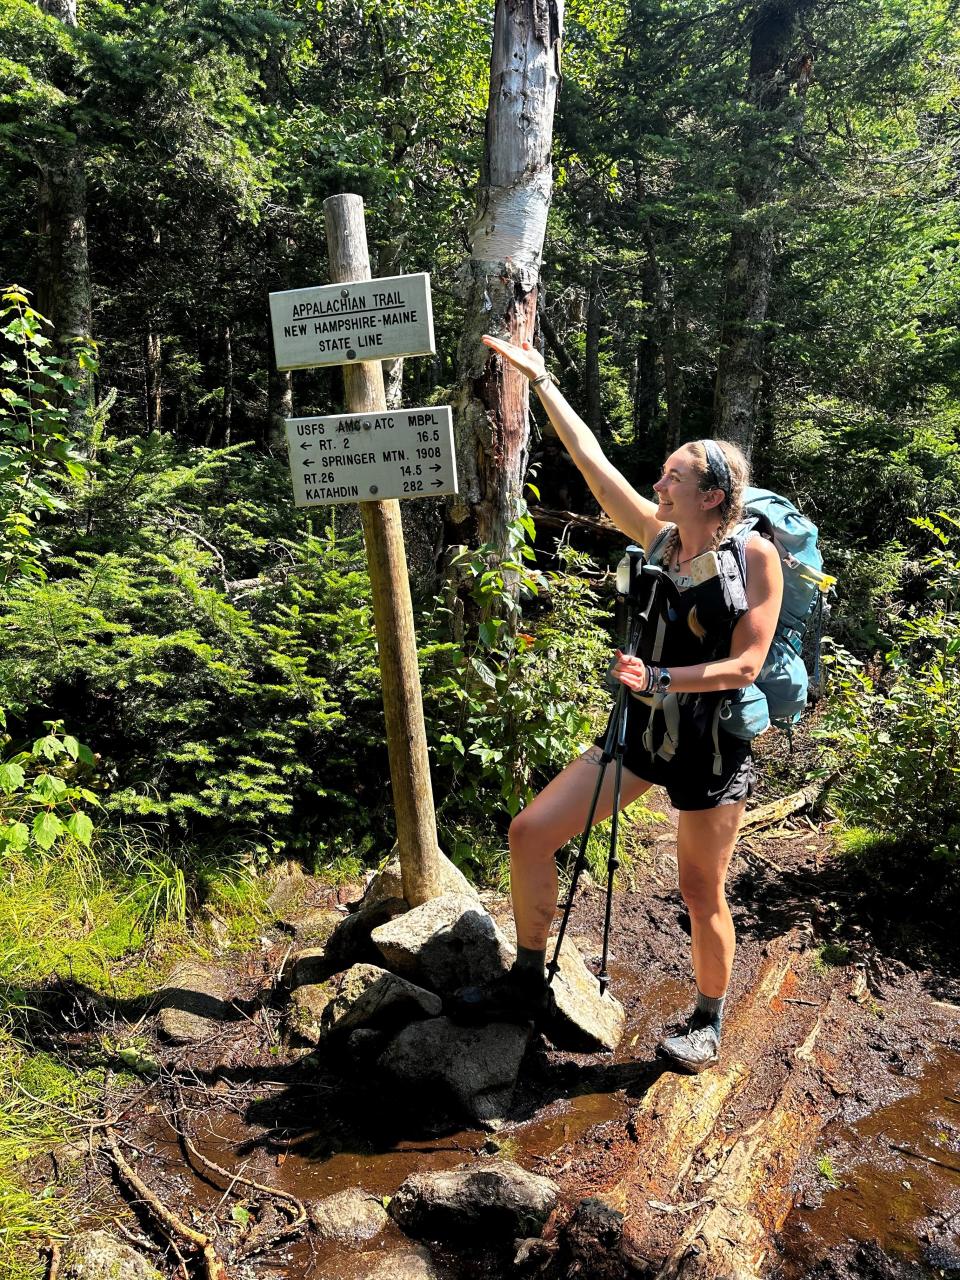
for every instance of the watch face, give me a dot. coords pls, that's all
(664, 681)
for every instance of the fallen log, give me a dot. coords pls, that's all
(679, 1114)
(765, 815)
(600, 528)
(752, 1192)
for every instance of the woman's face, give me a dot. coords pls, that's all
(678, 489)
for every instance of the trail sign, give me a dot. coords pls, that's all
(368, 457)
(360, 320)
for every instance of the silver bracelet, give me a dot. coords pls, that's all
(546, 376)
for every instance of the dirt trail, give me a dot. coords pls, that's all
(715, 1175)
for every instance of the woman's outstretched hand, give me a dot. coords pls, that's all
(630, 671)
(524, 357)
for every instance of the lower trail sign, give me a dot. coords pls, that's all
(363, 457)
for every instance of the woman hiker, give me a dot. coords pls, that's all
(708, 774)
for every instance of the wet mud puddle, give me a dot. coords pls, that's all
(890, 1181)
(312, 1139)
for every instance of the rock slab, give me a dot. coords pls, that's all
(194, 1001)
(586, 1021)
(496, 1202)
(363, 996)
(406, 1262)
(475, 1068)
(96, 1255)
(447, 943)
(351, 1216)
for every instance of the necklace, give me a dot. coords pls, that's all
(687, 559)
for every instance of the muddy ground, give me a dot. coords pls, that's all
(888, 1077)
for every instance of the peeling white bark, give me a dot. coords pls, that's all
(502, 273)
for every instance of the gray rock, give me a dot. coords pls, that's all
(350, 941)
(495, 1202)
(586, 1021)
(306, 967)
(314, 928)
(194, 1001)
(365, 1045)
(445, 944)
(407, 1262)
(363, 996)
(367, 996)
(388, 882)
(96, 1255)
(474, 1067)
(350, 1216)
(307, 1006)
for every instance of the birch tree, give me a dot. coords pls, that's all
(502, 274)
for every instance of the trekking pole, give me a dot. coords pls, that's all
(613, 747)
(619, 711)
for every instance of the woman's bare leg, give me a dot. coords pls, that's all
(553, 817)
(705, 842)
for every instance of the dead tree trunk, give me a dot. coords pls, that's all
(152, 384)
(390, 263)
(491, 404)
(63, 292)
(774, 70)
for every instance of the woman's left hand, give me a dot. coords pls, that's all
(630, 671)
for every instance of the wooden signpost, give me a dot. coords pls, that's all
(360, 450)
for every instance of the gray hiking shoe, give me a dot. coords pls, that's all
(694, 1049)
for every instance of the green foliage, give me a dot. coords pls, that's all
(235, 715)
(894, 736)
(43, 799)
(39, 454)
(509, 708)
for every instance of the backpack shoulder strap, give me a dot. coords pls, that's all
(656, 548)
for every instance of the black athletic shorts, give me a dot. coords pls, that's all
(689, 779)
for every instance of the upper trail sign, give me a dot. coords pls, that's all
(359, 320)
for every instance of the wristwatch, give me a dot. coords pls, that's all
(663, 680)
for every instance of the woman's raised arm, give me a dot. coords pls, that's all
(633, 514)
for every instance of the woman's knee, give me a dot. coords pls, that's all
(702, 893)
(529, 837)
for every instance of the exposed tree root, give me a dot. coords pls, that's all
(732, 1188)
(752, 1191)
(214, 1268)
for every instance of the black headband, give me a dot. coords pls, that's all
(717, 462)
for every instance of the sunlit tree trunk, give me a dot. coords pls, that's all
(774, 72)
(506, 243)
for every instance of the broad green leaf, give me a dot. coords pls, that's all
(47, 829)
(12, 778)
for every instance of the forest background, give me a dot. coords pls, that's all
(188, 665)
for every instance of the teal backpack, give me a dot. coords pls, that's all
(779, 693)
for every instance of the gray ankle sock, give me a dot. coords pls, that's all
(710, 1009)
(531, 962)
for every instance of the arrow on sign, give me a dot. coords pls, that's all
(438, 484)
(436, 467)
(306, 446)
